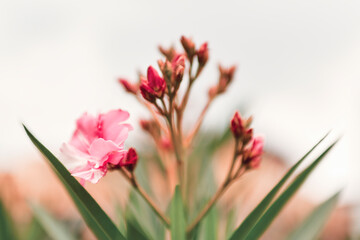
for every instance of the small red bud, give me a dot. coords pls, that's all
(237, 125)
(203, 54)
(130, 160)
(252, 155)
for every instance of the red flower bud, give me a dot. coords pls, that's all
(203, 54)
(155, 82)
(153, 87)
(147, 92)
(189, 47)
(130, 160)
(129, 87)
(252, 156)
(237, 125)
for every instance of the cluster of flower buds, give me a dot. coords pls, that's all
(250, 147)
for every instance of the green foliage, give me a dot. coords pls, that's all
(54, 228)
(94, 216)
(311, 227)
(177, 217)
(7, 230)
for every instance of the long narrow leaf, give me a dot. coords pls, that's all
(252, 218)
(6, 225)
(264, 222)
(311, 227)
(177, 217)
(94, 216)
(55, 229)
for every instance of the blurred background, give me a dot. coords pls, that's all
(298, 73)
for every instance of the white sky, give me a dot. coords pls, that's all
(299, 70)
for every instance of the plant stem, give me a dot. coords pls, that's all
(131, 178)
(198, 123)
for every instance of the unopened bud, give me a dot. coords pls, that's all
(226, 77)
(151, 127)
(169, 53)
(189, 47)
(203, 54)
(129, 87)
(252, 155)
(130, 160)
(237, 125)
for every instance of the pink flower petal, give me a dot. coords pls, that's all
(85, 133)
(100, 149)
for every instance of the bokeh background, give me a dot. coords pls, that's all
(299, 72)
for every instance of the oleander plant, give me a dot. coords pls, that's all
(187, 208)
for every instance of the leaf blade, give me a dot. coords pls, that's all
(177, 217)
(53, 227)
(311, 227)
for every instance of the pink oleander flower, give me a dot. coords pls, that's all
(252, 156)
(96, 142)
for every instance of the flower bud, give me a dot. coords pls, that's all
(225, 78)
(147, 92)
(151, 127)
(178, 67)
(189, 47)
(203, 55)
(237, 125)
(130, 160)
(252, 155)
(213, 92)
(169, 53)
(129, 87)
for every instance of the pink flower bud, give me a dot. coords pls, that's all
(237, 125)
(178, 66)
(203, 54)
(129, 87)
(189, 47)
(155, 82)
(130, 160)
(252, 156)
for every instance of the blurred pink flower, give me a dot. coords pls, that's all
(96, 142)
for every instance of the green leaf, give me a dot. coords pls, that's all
(55, 229)
(120, 213)
(264, 222)
(142, 217)
(34, 231)
(177, 217)
(311, 227)
(94, 216)
(253, 217)
(6, 225)
(209, 225)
